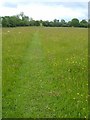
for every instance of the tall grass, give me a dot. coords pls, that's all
(1, 72)
(45, 72)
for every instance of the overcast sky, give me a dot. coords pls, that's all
(46, 9)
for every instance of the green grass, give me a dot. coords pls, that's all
(45, 72)
(0, 73)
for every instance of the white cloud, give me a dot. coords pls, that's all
(44, 1)
(45, 10)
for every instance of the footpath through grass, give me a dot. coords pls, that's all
(45, 73)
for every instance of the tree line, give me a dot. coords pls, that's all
(23, 20)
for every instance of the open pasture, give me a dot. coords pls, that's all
(45, 72)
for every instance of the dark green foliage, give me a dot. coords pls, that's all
(56, 23)
(22, 20)
(69, 24)
(5, 21)
(89, 23)
(83, 23)
(46, 23)
(63, 23)
(37, 23)
(75, 22)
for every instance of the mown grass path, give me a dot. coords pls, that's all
(32, 90)
(44, 74)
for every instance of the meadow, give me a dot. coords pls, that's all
(0, 73)
(45, 72)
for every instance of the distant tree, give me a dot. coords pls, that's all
(46, 23)
(18, 20)
(22, 20)
(30, 19)
(75, 22)
(12, 21)
(63, 23)
(69, 24)
(32, 22)
(26, 20)
(51, 24)
(5, 21)
(21, 15)
(89, 23)
(37, 23)
(56, 23)
(0, 21)
(84, 23)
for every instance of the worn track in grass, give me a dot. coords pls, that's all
(45, 73)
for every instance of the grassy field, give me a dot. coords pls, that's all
(45, 72)
(0, 73)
